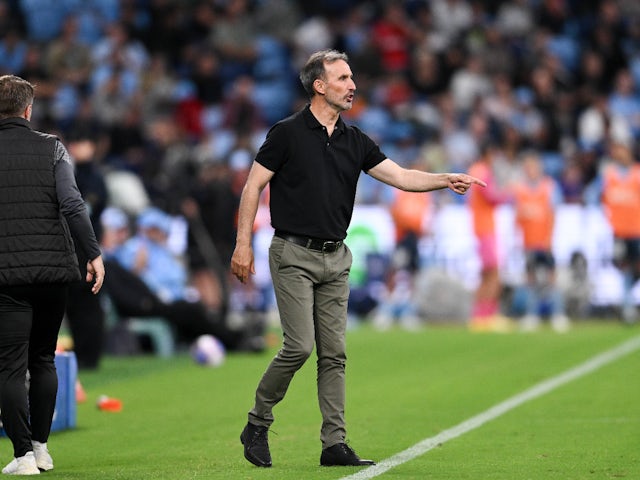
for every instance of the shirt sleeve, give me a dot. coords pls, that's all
(373, 154)
(272, 152)
(72, 205)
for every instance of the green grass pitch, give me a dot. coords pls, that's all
(182, 421)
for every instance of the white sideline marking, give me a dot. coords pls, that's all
(536, 391)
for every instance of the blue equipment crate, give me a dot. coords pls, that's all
(64, 416)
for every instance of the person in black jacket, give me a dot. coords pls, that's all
(85, 314)
(41, 213)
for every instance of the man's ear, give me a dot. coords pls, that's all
(319, 86)
(28, 111)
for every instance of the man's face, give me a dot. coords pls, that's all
(338, 85)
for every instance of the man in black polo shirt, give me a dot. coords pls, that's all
(312, 161)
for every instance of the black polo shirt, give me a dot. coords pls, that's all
(313, 189)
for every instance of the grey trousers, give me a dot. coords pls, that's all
(312, 291)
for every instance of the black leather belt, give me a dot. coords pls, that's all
(326, 246)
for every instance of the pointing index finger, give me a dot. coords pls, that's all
(477, 181)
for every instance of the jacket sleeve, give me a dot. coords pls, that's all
(72, 205)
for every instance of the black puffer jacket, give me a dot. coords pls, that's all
(35, 242)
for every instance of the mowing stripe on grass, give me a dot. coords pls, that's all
(536, 391)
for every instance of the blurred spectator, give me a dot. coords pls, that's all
(500, 104)
(451, 18)
(85, 314)
(314, 33)
(201, 20)
(147, 254)
(486, 313)
(536, 197)
(278, 18)
(67, 59)
(112, 99)
(411, 213)
(126, 142)
(592, 77)
(89, 176)
(553, 15)
(496, 52)
(211, 213)
(469, 84)
(11, 18)
(546, 99)
(426, 75)
(43, 18)
(275, 81)
(572, 182)
(434, 78)
(208, 275)
(189, 113)
(392, 34)
(354, 38)
(527, 119)
(625, 102)
(514, 18)
(241, 114)
(396, 303)
(205, 76)
(114, 225)
(161, 89)
(86, 124)
(147, 280)
(576, 286)
(540, 296)
(606, 38)
(168, 165)
(618, 188)
(234, 36)
(167, 32)
(118, 51)
(33, 70)
(13, 52)
(463, 140)
(596, 122)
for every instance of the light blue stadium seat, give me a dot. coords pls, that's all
(158, 330)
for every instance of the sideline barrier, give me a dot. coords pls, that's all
(450, 244)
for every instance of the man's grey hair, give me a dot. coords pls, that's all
(314, 68)
(16, 94)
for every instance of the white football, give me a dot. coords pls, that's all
(207, 350)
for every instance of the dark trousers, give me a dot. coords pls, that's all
(30, 318)
(86, 319)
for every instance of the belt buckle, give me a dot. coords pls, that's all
(330, 246)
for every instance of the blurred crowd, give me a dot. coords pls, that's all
(181, 92)
(163, 103)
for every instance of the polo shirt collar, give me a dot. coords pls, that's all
(312, 121)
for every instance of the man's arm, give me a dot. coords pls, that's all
(242, 260)
(391, 173)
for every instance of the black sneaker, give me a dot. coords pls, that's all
(256, 445)
(343, 455)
